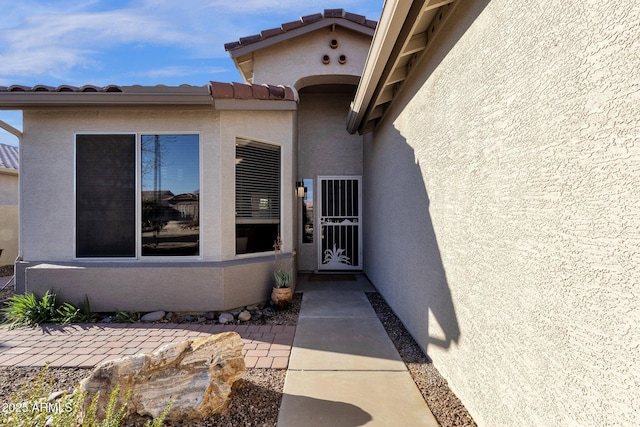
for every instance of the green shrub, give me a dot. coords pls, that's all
(126, 317)
(29, 310)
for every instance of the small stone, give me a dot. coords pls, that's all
(154, 316)
(169, 315)
(244, 316)
(210, 315)
(252, 308)
(201, 319)
(106, 320)
(55, 395)
(225, 318)
(188, 318)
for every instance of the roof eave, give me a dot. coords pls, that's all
(19, 100)
(296, 32)
(9, 171)
(254, 105)
(399, 43)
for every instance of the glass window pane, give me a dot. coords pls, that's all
(257, 196)
(307, 211)
(105, 195)
(170, 170)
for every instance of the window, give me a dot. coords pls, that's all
(307, 211)
(106, 195)
(257, 196)
(170, 199)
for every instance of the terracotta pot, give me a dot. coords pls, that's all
(281, 297)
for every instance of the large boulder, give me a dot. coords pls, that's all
(197, 375)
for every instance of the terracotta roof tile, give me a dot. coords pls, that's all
(221, 90)
(9, 157)
(304, 20)
(62, 88)
(271, 32)
(334, 13)
(309, 19)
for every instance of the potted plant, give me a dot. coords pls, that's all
(282, 293)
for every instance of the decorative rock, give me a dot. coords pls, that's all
(197, 375)
(169, 315)
(106, 320)
(252, 308)
(210, 315)
(226, 318)
(188, 318)
(55, 395)
(244, 316)
(154, 316)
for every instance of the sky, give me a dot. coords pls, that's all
(145, 42)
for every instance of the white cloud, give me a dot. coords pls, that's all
(180, 71)
(61, 40)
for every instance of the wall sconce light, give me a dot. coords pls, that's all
(301, 190)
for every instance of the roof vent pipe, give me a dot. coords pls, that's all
(325, 59)
(333, 43)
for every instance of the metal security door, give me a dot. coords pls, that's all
(340, 206)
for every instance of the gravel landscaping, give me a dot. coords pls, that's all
(257, 397)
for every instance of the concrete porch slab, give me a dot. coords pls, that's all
(343, 344)
(344, 304)
(352, 399)
(361, 284)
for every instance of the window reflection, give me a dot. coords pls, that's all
(307, 212)
(170, 170)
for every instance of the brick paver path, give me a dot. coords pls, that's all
(84, 346)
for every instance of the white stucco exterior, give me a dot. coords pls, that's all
(303, 57)
(48, 211)
(503, 210)
(8, 217)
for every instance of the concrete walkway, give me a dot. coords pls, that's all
(344, 370)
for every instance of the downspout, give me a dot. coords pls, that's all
(18, 135)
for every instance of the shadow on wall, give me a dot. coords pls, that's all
(402, 254)
(407, 267)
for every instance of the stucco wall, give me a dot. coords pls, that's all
(303, 56)
(503, 210)
(48, 212)
(8, 218)
(325, 148)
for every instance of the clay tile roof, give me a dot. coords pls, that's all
(303, 21)
(221, 90)
(62, 88)
(9, 157)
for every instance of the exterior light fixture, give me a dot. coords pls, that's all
(301, 190)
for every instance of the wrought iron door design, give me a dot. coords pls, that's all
(340, 206)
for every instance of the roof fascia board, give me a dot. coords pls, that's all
(17, 100)
(287, 35)
(9, 171)
(388, 29)
(254, 105)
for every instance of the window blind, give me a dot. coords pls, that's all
(257, 182)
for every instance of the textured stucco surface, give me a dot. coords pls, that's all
(286, 63)
(503, 210)
(48, 210)
(8, 217)
(8, 233)
(324, 148)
